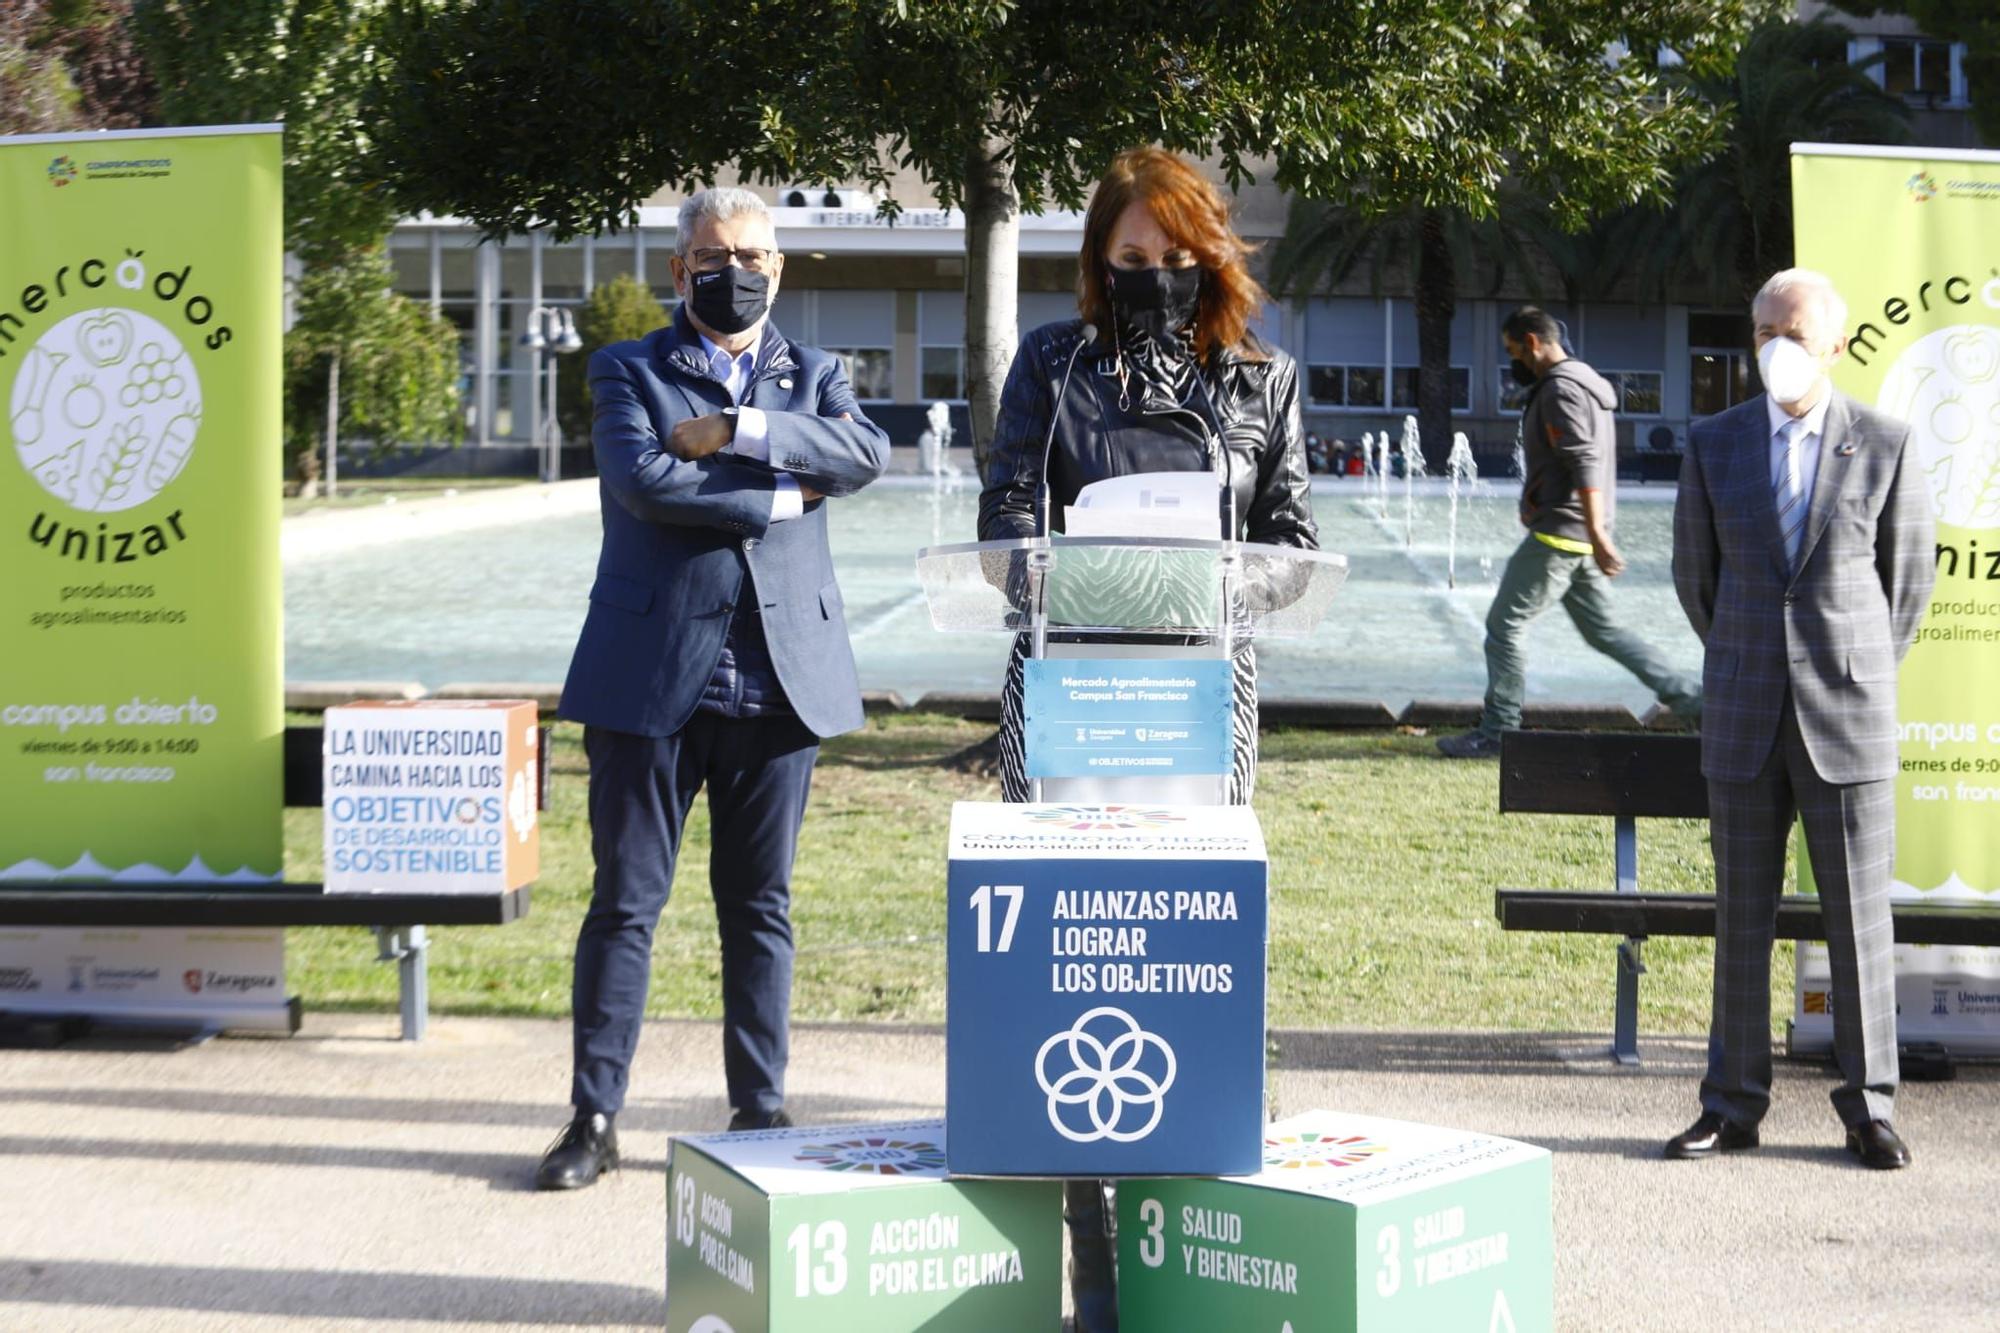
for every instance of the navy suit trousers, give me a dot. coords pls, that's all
(758, 772)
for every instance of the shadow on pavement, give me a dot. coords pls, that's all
(401, 1297)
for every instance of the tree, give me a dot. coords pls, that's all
(307, 63)
(376, 361)
(615, 311)
(37, 95)
(1730, 225)
(1974, 22)
(1005, 105)
(1441, 251)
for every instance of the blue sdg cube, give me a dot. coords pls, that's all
(1105, 1004)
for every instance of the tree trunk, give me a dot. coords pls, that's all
(333, 426)
(992, 283)
(1437, 301)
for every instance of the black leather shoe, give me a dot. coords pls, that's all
(580, 1154)
(743, 1120)
(1877, 1145)
(1709, 1135)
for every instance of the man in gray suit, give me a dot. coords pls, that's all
(1803, 556)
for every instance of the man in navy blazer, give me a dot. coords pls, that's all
(714, 654)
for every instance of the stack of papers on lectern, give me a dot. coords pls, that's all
(1148, 504)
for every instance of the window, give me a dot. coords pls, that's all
(869, 371)
(1513, 397)
(1639, 391)
(1345, 386)
(1719, 363)
(941, 374)
(1915, 67)
(1404, 385)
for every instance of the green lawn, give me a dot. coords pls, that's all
(1384, 859)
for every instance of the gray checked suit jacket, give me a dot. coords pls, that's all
(1830, 632)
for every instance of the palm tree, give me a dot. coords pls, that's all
(1443, 249)
(1730, 225)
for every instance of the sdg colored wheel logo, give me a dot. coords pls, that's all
(105, 409)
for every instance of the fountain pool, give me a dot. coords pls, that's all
(504, 603)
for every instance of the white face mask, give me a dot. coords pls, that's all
(1789, 370)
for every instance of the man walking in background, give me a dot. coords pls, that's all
(1803, 554)
(714, 654)
(1568, 494)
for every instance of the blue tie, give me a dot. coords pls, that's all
(1789, 496)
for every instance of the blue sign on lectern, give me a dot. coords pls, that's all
(1105, 999)
(1126, 717)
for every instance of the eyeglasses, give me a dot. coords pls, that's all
(713, 259)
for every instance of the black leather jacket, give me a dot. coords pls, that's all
(1258, 402)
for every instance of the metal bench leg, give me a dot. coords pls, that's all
(409, 949)
(1625, 1020)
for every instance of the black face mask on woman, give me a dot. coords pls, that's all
(1159, 302)
(730, 299)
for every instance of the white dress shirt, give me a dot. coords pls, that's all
(753, 439)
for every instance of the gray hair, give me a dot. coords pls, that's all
(719, 205)
(1832, 308)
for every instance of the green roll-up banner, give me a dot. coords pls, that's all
(1912, 239)
(141, 692)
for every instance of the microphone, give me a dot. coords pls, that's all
(1042, 496)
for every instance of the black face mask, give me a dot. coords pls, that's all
(730, 299)
(1523, 373)
(1159, 302)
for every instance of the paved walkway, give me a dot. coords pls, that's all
(342, 1179)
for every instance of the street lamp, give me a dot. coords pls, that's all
(550, 329)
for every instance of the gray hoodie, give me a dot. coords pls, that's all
(1568, 440)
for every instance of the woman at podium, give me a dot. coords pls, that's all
(1160, 373)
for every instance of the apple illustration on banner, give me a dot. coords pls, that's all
(105, 338)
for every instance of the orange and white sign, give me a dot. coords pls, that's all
(431, 796)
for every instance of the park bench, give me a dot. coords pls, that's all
(1632, 776)
(398, 920)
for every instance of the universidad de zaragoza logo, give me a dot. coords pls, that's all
(105, 403)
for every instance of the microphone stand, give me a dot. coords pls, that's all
(1230, 558)
(1041, 556)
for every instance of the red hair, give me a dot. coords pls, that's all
(1194, 215)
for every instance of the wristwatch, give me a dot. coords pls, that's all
(732, 414)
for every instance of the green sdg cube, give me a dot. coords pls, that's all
(1355, 1225)
(854, 1228)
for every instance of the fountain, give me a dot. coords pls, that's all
(1413, 467)
(934, 461)
(934, 444)
(1460, 469)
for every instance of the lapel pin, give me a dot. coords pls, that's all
(786, 384)
(1844, 451)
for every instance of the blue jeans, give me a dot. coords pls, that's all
(1537, 575)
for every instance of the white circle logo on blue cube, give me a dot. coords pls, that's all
(1101, 1083)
